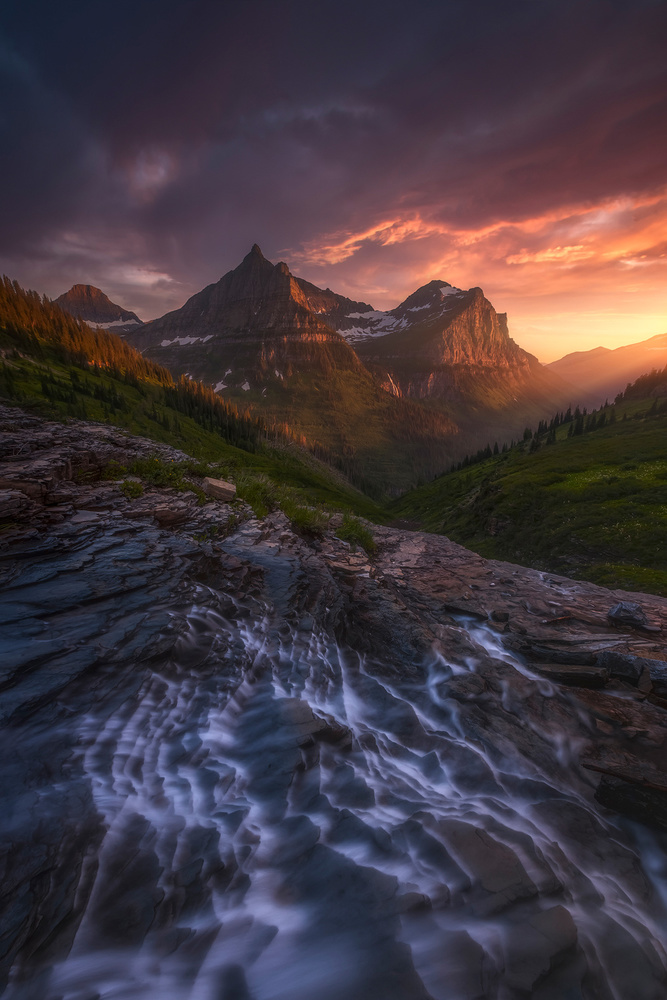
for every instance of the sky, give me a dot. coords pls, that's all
(515, 145)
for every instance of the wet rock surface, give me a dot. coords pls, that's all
(248, 766)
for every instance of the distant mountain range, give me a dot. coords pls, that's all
(95, 308)
(421, 385)
(602, 373)
(396, 396)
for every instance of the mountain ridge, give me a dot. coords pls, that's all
(603, 372)
(439, 323)
(255, 338)
(329, 366)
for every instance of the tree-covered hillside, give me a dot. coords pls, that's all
(59, 367)
(586, 497)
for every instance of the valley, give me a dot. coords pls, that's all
(589, 501)
(251, 735)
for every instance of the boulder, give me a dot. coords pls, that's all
(628, 614)
(218, 489)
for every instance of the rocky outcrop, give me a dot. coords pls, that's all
(95, 308)
(248, 758)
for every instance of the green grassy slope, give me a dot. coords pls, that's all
(592, 505)
(59, 368)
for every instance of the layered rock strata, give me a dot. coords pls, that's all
(243, 759)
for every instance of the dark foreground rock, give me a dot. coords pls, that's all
(251, 766)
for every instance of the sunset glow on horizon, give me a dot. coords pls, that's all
(518, 147)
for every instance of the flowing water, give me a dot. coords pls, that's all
(281, 821)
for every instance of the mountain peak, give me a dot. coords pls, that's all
(85, 291)
(255, 251)
(90, 304)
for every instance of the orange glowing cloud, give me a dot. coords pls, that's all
(570, 279)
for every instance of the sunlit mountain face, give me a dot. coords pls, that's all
(518, 147)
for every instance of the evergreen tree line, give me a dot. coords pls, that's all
(645, 385)
(33, 325)
(580, 421)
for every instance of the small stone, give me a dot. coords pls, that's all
(499, 616)
(627, 613)
(218, 489)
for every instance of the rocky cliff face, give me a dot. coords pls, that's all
(452, 348)
(257, 765)
(439, 324)
(440, 340)
(95, 308)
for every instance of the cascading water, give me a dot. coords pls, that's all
(284, 820)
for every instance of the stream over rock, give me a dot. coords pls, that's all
(258, 768)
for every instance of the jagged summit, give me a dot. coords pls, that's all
(90, 304)
(256, 296)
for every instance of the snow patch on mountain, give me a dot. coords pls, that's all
(185, 341)
(357, 327)
(125, 323)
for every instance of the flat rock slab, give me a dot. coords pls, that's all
(629, 668)
(218, 489)
(492, 865)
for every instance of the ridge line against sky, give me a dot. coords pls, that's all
(517, 146)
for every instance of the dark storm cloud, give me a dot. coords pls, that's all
(160, 140)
